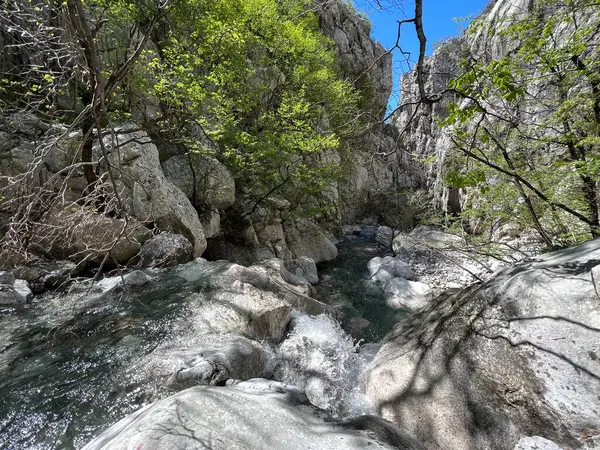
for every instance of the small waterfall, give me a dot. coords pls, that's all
(320, 358)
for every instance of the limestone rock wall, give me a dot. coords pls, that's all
(374, 170)
(169, 188)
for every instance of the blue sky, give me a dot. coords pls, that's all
(438, 21)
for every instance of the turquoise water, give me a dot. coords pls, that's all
(345, 282)
(63, 379)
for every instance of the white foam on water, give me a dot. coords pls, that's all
(322, 359)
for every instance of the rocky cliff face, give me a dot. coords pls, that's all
(422, 135)
(377, 168)
(418, 125)
(272, 230)
(169, 189)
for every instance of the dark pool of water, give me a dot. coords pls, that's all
(345, 282)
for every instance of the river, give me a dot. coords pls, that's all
(71, 365)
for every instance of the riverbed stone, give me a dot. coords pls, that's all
(375, 263)
(405, 294)
(15, 294)
(384, 274)
(356, 327)
(304, 267)
(242, 309)
(207, 359)
(222, 275)
(386, 268)
(258, 414)
(275, 269)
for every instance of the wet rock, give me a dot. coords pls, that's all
(351, 229)
(258, 414)
(223, 274)
(356, 327)
(116, 283)
(244, 310)
(210, 359)
(16, 293)
(166, 250)
(48, 274)
(275, 268)
(22, 288)
(514, 356)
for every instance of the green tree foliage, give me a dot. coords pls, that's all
(257, 77)
(260, 80)
(526, 127)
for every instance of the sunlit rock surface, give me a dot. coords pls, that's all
(257, 414)
(515, 356)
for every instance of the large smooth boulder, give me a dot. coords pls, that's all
(307, 239)
(203, 179)
(224, 275)
(405, 294)
(515, 356)
(165, 250)
(76, 232)
(243, 309)
(209, 359)
(151, 197)
(257, 414)
(304, 267)
(276, 269)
